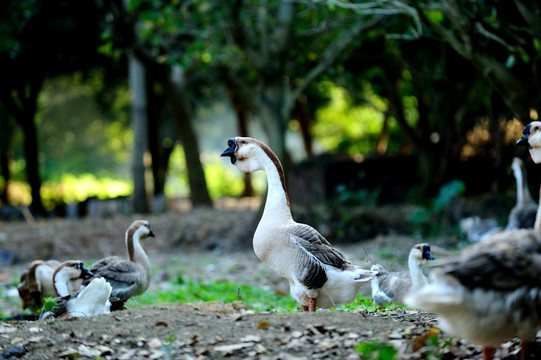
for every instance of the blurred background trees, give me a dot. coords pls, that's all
(446, 86)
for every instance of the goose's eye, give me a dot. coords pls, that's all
(243, 141)
(230, 142)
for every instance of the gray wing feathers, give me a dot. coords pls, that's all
(314, 252)
(506, 261)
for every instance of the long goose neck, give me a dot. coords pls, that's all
(537, 224)
(523, 194)
(416, 273)
(136, 253)
(61, 284)
(277, 203)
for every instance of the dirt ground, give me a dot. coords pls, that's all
(210, 244)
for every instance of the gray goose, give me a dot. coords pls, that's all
(128, 277)
(319, 275)
(392, 286)
(491, 291)
(522, 215)
(36, 283)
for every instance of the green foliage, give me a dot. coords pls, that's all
(447, 193)
(222, 181)
(367, 304)
(48, 304)
(348, 127)
(376, 350)
(189, 291)
(445, 196)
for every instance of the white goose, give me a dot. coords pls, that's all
(491, 291)
(37, 283)
(319, 275)
(522, 215)
(393, 286)
(93, 299)
(128, 277)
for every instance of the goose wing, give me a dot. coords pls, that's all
(119, 274)
(505, 261)
(314, 251)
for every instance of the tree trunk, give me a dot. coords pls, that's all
(140, 128)
(5, 153)
(181, 111)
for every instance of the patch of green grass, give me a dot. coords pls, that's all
(189, 291)
(367, 304)
(376, 350)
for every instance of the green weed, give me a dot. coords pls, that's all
(376, 350)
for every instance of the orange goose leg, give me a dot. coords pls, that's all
(312, 304)
(526, 350)
(488, 353)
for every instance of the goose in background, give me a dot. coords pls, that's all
(319, 275)
(69, 276)
(390, 287)
(36, 283)
(476, 229)
(490, 292)
(93, 299)
(522, 215)
(128, 277)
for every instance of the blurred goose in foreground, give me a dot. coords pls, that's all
(491, 291)
(477, 229)
(36, 283)
(128, 277)
(393, 286)
(522, 215)
(93, 299)
(319, 275)
(69, 277)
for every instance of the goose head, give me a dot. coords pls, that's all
(420, 253)
(68, 277)
(531, 136)
(245, 153)
(140, 229)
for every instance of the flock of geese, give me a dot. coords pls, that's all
(77, 291)
(488, 293)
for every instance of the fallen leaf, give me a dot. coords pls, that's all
(263, 325)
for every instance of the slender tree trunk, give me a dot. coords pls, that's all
(157, 152)
(181, 110)
(5, 153)
(140, 128)
(305, 123)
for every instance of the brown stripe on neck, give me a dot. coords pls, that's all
(278, 165)
(129, 242)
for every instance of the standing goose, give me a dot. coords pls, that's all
(491, 291)
(319, 275)
(522, 215)
(93, 299)
(128, 277)
(393, 286)
(69, 277)
(37, 283)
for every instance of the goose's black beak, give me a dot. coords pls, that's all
(230, 151)
(427, 255)
(525, 134)
(85, 273)
(150, 233)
